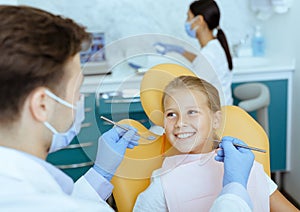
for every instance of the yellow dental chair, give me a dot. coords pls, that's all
(133, 175)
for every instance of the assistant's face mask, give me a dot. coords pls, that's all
(188, 28)
(61, 140)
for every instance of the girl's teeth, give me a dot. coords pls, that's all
(184, 135)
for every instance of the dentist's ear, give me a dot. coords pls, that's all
(39, 105)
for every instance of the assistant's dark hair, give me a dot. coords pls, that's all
(35, 47)
(211, 14)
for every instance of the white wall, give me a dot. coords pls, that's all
(7, 2)
(283, 34)
(289, 30)
(123, 18)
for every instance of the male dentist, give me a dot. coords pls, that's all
(41, 111)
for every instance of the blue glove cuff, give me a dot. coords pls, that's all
(164, 48)
(104, 173)
(231, 179)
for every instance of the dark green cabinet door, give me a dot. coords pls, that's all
(277, 122)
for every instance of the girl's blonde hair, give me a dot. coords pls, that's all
(195, 83)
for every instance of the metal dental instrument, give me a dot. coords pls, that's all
(151, 137)
(246, 147)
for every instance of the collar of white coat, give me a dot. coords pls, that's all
(26, 167)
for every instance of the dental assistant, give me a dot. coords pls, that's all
(203, 17)
(40, 79)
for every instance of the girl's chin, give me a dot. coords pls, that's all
(192, 149)
(185, 150)
(188, 145)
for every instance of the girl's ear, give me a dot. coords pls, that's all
(217, 120)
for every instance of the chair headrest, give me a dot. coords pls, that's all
(254, 96)
(153, 84)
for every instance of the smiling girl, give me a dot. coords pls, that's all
(190, 179)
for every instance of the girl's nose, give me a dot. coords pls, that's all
(181, 121)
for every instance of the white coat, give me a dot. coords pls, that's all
(27, 186)
(214, 54)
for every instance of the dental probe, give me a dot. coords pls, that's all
(151, 137)
(246, 147)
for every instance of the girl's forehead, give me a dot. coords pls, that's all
(185, 91)
(185, 97)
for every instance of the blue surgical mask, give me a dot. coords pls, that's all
(188, 28)
(61, 140)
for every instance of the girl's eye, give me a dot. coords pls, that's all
(191, 112)
(170, 114)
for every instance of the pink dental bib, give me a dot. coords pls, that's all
(193, 182)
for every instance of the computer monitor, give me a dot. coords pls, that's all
(96, 52)
(93, 61)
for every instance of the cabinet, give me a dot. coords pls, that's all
(280, 83)
(118, 108)
(277, 112)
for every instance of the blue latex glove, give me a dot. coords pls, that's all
(164, 48)
(111, 149)
(237, 161)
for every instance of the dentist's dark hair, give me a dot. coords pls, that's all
(211, 14)
(35, 46)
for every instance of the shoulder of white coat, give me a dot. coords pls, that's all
(213, 50)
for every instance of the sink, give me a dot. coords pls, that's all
(249, 62)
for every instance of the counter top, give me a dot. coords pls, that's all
(259, 65)
(125, 77)
(120, 78)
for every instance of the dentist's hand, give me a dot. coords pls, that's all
(111, 149)
(237, 161)
(164, 48)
